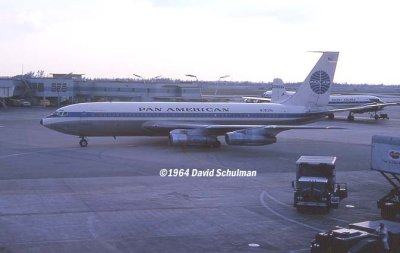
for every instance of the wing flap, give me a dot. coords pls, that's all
(273, 130)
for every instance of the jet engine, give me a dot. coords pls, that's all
(185, 137)
(237, 138)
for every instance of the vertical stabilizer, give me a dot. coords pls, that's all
(278, 92)
(316, 89)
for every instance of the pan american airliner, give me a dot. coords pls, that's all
(357, 103)
(200, 124)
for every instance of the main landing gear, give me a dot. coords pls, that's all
(216, 144)
(83, 142)
(350, 117)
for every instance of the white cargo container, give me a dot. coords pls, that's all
(385, 158)
(385, 154)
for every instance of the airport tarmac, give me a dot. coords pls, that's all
(109, 197)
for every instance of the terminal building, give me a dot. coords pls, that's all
(7, 87)
(62, 89)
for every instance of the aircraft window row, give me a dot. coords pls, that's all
(188, 115)
(347, 102)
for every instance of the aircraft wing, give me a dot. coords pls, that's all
(216, 130)
(267, 130)
(195, 128)
(257, 99)
(365, 108)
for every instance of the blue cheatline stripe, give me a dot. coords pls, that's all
(182, 115)
(349, 102)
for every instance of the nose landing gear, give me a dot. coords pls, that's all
(83, 142)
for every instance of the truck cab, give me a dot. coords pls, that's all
(315, 184)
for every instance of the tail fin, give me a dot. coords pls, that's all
(278, 91)
(316, 89)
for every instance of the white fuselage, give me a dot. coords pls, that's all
(339, 101)
(129, 118)
(343, 101)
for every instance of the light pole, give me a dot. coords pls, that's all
(221, 77)
(197, 80)
(144, 80)
(138, 76)
(190, 75)
(141, 77)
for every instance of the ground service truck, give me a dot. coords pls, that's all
(315, 185)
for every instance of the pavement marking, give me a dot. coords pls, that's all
(91, 225)
(275, 200)
(19, 154)
(299, 250)
(284, 204)
(285, 217)
(254, 245)
(28, 153)
(336, 219)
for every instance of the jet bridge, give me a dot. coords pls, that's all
(385, 158)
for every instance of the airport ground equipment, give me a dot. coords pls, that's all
(377, 116)
(315, 185)
(385, 158)
(357, 238)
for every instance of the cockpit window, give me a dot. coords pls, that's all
(375, 100)
(60, 113)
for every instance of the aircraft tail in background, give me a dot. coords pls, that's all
(316, 88)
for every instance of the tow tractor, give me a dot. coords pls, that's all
(357, 238)
(377, 116)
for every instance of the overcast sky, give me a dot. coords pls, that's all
(253, 40)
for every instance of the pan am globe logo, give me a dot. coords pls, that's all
(320, 82)
(395, 155)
